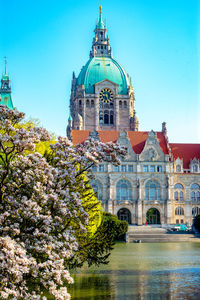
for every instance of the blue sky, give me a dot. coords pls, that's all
(155, 41)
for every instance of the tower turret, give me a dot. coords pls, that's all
(69, 128)
(101, 42)
(5, 90)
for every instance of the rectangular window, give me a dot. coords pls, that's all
(130, 168)
(123, 168)
(94, 168)
(116, 168)
(101, 168)
(152, 168)
(177, 221)
(181, 221)
(145, 168)
(159, 169)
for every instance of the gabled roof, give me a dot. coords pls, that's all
(186, 152)
(137, 138)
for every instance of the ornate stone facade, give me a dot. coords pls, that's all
(157, 182)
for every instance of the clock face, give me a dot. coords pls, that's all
(106, 95)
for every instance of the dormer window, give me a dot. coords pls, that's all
(178, 168)
(195, 169)
(194, 165)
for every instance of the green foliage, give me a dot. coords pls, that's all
(95, 249)
(197, 222)
(119, 228)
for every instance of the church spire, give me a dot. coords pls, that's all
(101, 42)
(5, 89)
(100, 24)
(5, 65)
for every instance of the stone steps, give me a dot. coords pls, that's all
(149, 234)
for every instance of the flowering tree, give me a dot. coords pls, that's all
(41, 209)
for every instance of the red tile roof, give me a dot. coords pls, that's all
(185, 152)
(138, 139)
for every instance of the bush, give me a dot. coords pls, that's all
(118, 227)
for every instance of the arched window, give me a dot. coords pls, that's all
(179, 211)
(80, 102)
(125, 104)
(152, 190)
(178, 192)
(98, 189)
(178, 186)
(195, 192)
(87, 103)
(123, 190)
(178, 168)
(196, 211)
(92, 103)
(120, 103)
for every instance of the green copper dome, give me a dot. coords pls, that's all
(101, 68)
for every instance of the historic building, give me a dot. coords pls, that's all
(5, 90)
(157, 182)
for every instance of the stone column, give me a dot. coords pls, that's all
(96, 113)
(188, 212)
(139, 203)
(110, 193)
(169, 210)
(139, 212)
(117, 113)
(84, 104)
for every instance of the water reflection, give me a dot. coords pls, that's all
(143, 271)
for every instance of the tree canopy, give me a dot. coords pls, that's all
(45, 206)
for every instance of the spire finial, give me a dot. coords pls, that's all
(5, 59)
(100, 9)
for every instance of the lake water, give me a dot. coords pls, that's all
(143, 271)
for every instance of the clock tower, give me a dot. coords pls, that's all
(102, 96)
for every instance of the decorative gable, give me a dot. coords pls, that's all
(178, 165)
(106, 84)
(123, 140)
(152, 150)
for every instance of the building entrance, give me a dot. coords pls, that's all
(153, 216)
(124, 215)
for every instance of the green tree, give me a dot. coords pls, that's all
(95, 249)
